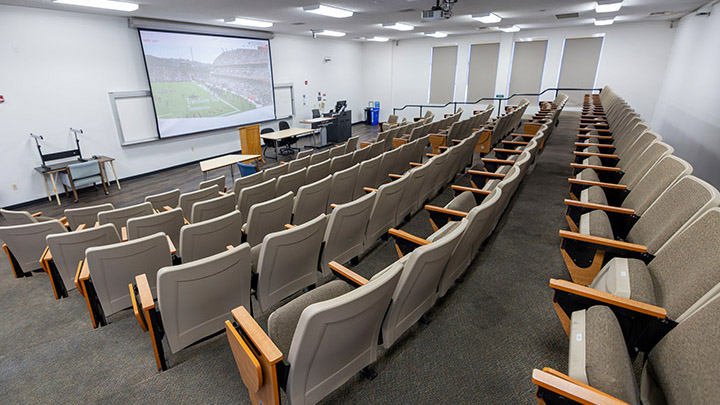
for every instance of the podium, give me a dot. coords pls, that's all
(250, 140)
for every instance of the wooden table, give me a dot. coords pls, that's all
(284, 134)
(103, 173)
(227, 160)
(52, 171)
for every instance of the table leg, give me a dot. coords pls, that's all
(47, 190)
(72, 184)
(232, 172)
(54, 184)
(204, 175)
(102, 177)
(277, 155)
(117, 180)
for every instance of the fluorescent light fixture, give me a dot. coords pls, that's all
(399, 26)
(509, 28)
(329, 33)
(610, 6)
(487, 18)
(328, 11)
(248, 23)
(106, 4)
(436, 34)
(604, 21)
(378, 39)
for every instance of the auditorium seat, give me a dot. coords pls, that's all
(266, 217)
(317, 171)
(386, 166)
(335, 151)
(220, 181)
(341, 162)
(209, 237)
(298, 164)
(320, 157)
(311, 200)
(214, 207)
(290, 182)
(254, 194)
(188, 199)
(169, 222)
(275, 172)
(167, 199)
(119, 216)
(408, 204)
(85, 215)
(343, 185)
(366, 175)
(376, 149)
(351, 144)
(360, 155)
(24, 244)
(345, 233)
(23, 217)
(304, 153)
(384, 211)
(247, 181)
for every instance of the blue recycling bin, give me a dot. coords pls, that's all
(374, 116)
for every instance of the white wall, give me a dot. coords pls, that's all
(57, 70)
(687, 112)
(633, 62)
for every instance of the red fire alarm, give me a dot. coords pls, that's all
(2, 99)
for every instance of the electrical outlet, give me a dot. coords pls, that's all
(192, 149)
(15, 187)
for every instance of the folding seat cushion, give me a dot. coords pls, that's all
(384, 212)
(118, 217)
(299, 163)
(345, 233)
(85, 215)
(290, 182)
(188, 199)
(267, 217)
(68, 249)
(252, 195)
(340, 162)
(311, 200)
(24, 244)
(22, 217)
(210, 237)
(219, 181)
(343, 185)
(214, 207)
(167, 199)
(275, 172)
(247, 181)
(287, 262)
(168, 222)
(367, 175)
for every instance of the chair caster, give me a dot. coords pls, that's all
(369, 373)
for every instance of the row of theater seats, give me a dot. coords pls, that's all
(320, 339)
(642, 253)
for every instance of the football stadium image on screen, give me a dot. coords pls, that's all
(204, 82)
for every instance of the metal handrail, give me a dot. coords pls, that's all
(498, 99)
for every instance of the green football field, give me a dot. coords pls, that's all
(191, 100)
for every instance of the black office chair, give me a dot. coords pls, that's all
(269, 143)
(286, 144)
(316, 113)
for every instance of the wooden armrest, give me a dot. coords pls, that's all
(364, 144)
(333, 206)
(572, 389)
(521, 143)
(290, 226)
(454, 141)
(415, 164)
(470, 189)
(593, 136)
(498, 161)
(37, 214)
(347, 275)
(63, 220)
(229, 247)
(594, 206)
(80, 227)
(507, 150)
(408, 236)
(146, 299)
(595, 129)
(446, 211)
(527, 136)
(442, 131)
(595, 167)
(607, 298)
(602, 155)
(171, 246)
(97, 223)
(83, 272)
(123, 233)
(603, 241)
(599, 145)
(167, 208)
(487, 174)
(46, 256)
(598, 183)
(394, 176)
(430, 155)
(369, 190)
(443, 147)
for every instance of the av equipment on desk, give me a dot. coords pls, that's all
(340, 106)
(59, 155)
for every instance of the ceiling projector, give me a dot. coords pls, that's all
(441, 10)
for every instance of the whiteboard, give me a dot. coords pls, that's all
(134, 116)
(284, 101)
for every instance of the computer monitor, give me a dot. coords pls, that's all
(340, 106)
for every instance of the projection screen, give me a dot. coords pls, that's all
(203, 82)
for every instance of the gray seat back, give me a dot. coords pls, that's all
(312, 200)
(304, 153)
(290, 182)
(269, 216)
(320, 157)
(384, 211)
(409, 202)
(168, 222)
(210, 237)
(351, 144)
(68, 249)
(167, 199)
(661, 176)
(299, 164)
(196, 298)
(113, 267)
(85, 215)
(402, 163)
(27, 242)
(367, 175)
(386, 166)
(336, 151)
(341, 162)
(360, 155)
(377, 148)
(345, 233)
(17, 217)
(247, 181)
(343, 185)
(255, 194)
(219, 181)
(509, 185)
(275, 172)
(317, 171)
(118, 217)
(188, 199)
(288, 261)
(416, 291)
(636, 169)
(214, 207)
(335, 339)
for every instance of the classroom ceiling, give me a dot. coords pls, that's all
(289, 18)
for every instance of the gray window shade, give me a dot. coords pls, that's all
(527, 69)
(442, 73)
(579, 65)
(482, 70)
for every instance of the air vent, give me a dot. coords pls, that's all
(298, 23)
(566, 16)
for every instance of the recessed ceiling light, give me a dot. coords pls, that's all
(378, 39)
(329, 33)
(487, 18)
(437, 34)
(399, 26)
(607, 6)
(248, 23)
(604, 21)
(106, 4)
(328, 11)
(509, 28)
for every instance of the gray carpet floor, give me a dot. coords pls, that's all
(485, 337)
